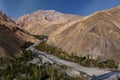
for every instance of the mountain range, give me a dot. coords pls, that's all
(96, 35)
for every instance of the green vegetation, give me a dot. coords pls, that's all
(18, 68)
(27, 55)
(85, 61)
(11, 68)
(26, 45)
(41, 37)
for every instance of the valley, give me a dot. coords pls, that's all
(94, 35)
(76, 68)
(49, 45)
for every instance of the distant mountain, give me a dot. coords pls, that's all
(11, 37)
(95, 35)
(45, 21)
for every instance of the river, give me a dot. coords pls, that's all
(92, 73)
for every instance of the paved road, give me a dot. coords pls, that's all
(100, 73)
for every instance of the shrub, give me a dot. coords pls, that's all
(26, 45)
(110, 64)
(27, 55)
(41, 37)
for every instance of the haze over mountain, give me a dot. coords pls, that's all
(11, 37)
(95, 35)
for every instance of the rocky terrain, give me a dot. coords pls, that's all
(95, 35)
(45, 21)
(11, 37)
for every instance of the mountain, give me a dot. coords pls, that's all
(44, 21)
(94, 35)
(11, 37)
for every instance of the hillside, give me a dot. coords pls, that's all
(11, 37)
(95, 35)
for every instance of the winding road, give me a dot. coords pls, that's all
(92, 73)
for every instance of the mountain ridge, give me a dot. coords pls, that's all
(95, 35)
(11, 37)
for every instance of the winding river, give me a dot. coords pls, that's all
(92, 73)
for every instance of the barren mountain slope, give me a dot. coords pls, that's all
(94, 35)
(11, 37)
(45, 21)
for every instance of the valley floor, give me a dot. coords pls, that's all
(75, 69)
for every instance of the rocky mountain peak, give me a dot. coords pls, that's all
(42, 16)
(49, 15)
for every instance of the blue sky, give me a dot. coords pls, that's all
(16, 8)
